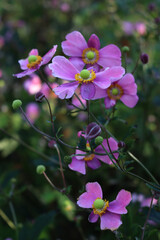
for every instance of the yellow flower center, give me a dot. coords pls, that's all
(85, 76)
(90, 55)
(115, 91)
(88, 157)
(34, 62)
(99, 208)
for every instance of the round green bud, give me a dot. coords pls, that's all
(125, 49)
(98, 203)
(16, 104)
(85, 74)
(98, 140)
(90, 55)
(40, 169)
(13, 180)
(115, 91)
(32, 58)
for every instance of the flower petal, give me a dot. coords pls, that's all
(47, 57)
(33, 52)
(77, 62)
(102, 80)
(124, 197)
(74, 44)
(66, 90)
(25, 73)
(109, 102)
(93, 217)
(100, 93)
(94, 163)
(63, 68)
(129, 100)
(93, 192)
(94, 42)
(77, 165)
(109, 56)
(110, 221)
(115, 73)
(87, 91)
(23, 63)
(128, 84)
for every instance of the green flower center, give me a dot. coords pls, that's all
(84, 74)
(90, 55)
(32, 58)
(115, 91)
(99, 203)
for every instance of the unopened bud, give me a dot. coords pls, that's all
(39, 97)
(151, 7)
(144, 58)
(51, 144)
(92, 131)
(16, 104)
(125, 49)
(121, 144)
(98, 140)
(40, 169)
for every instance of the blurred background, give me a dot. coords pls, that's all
(41, 212)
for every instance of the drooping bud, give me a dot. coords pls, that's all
(51, 144)
(92, 131)
(32, 58)
(39, 97)
(121, 144)
(98, 140)
(40, 169)
(125, 49)
(16, 104)
(85, 74)
(98, 203)
(144, 58)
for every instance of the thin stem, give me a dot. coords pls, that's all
(149, 212)
(14, 217)
(88, 109)
(80, 101)
(53, 186)
(60, 164)
(43, 78)
(50, 112)
(136, 65)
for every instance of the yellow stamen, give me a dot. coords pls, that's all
(90, 79)
(119, 92)
(86, 59)
(34, 64)
(89, 157)
(100, 212)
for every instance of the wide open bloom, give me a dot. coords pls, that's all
(82, 53)
(109, 212)
(34, 62)
(125, 89)
(87, 79)
(79, 163)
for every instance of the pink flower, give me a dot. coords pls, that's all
(82, 53)
(147, 201)
(34, 62)
(125, 89)
(87, 79)
(109, 212)
(140, 27)
(47, 92)
(32, 111)
(93, 161)
(33, 84)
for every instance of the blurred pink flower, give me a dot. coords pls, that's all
(47, 92)
(140, 27)
(129, 28)
(32, 111)
(65, 7)
(33, 84)
(0, 73)
(1, 41)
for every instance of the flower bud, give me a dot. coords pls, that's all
(157, 20)
(125, 49)
(40, 169)
(144, 58)
(98, 140)
(51, 144)
(121, 144)
(39, 97)
(151, 7)
(92, 131)
(16, 104)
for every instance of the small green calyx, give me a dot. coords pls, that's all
(16, 104)
(32, 58)
(125, 49)
(115, 91)
(98, 140)
(90, 55)
(40, 169)
(84, 74)
(98, 203)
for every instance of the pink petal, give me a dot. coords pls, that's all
(93, 192)
(124, 197)
(102, 80)
(74, 44)
(100, 93)
(109, 102)
(93, 217)
(77, 62)
(87, 91)
(94, 163)
(94, 42)
(109, 56)
(77, 165)
(47, 57)
(128, 84)
(115, 73)
(80, 152)
(66, 90)
(33, 52)
(110, 221)
(25, 73)
(63, 68)
(129, 100)
(23, 63)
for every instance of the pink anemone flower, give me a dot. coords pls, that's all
(34, 62)
(82, 53)
(79, 163)
(125, 89)
(33, 84)
(87, 79)
(109, 212)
